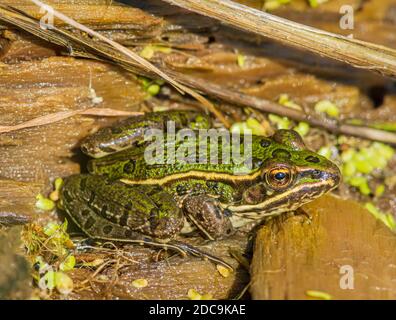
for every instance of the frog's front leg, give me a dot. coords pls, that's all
(111, 210)
(208, 216)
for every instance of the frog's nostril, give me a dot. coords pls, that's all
(316, 173)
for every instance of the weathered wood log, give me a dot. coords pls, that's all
(341, 250)
(17, 201)
(171, 278)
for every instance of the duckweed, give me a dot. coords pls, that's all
(285, 100)
(318, 294)
(152, 87)
(63, 283)
(386, 218)
(280, 122)
(225, 272)
(327, 107)
(251, 125)
(149, 51)
(325, 152)
(140, 283)
(241, 59)
(302, 128)
(192, 294)
(44, 203)
(274, 4)
(316, 3)
(379, 190)
(54, 195)
(59, 280)
(359, 163)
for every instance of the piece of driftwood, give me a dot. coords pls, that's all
(170, 278)
(337, 248)
(17, 201)
(354, 52)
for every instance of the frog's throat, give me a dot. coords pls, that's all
(194, 174)
(288, 200)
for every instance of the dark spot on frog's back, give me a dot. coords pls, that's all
(181, 189)
(116, 130)
(107, 229)
(265, 143)
(257, 163)
(85, 213)
(124, 219)
(129, 166)
(89, 223)
(83, 183)
(128, 233)
(103, 211)
(67, 196)
(281, 153)
(312, 159)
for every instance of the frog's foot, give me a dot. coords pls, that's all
(181, 247)
(208, 216)
(189, 249)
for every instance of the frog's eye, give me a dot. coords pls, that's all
(279, 177)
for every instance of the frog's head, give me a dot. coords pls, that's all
(290, 176)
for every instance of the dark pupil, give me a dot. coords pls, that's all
(280, 176)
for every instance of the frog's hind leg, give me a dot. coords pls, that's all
(97, 227)
(198, 253)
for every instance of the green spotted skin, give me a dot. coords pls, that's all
(125, 197)
(130, 132)
(145, 209)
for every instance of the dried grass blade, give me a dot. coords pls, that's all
(59, 116)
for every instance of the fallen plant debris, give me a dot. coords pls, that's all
(59, 116)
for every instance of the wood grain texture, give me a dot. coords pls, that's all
(296, 254)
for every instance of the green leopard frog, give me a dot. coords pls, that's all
(125, 198)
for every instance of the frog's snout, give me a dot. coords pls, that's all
(333, 175)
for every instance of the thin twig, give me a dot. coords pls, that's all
(244, 100)
(354, 52)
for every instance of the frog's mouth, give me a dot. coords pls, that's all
(312, 183)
